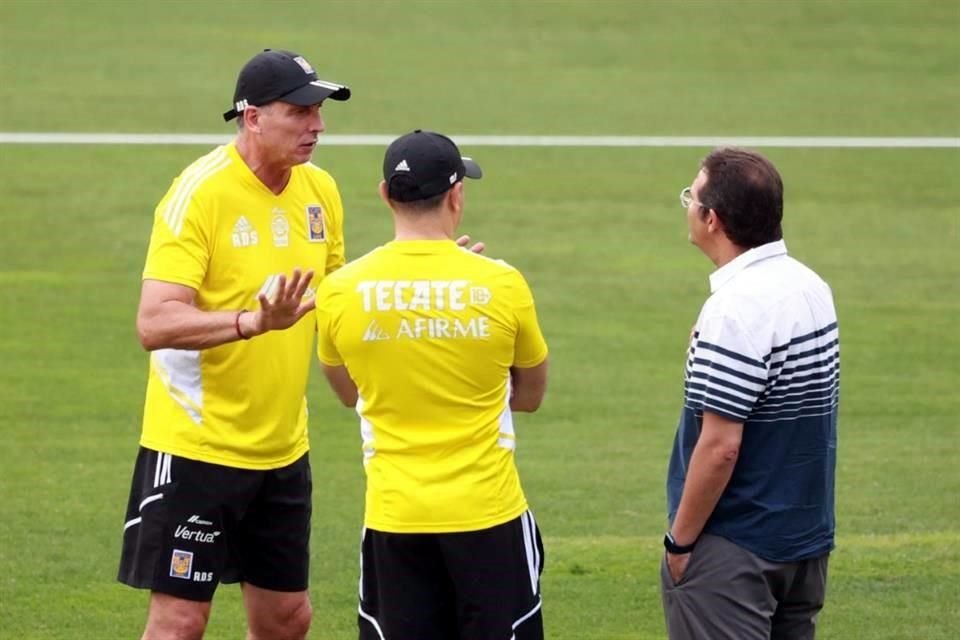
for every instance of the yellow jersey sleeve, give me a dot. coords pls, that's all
(326, 315)
(336, 253)
(530, 348)
(179, 243)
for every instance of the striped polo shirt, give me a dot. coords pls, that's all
(765, 352)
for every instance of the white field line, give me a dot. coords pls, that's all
(503, 141)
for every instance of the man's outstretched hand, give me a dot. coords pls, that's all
(464, 240)
(287, 306)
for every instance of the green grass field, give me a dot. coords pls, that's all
(599, 233)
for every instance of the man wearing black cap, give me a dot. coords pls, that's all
(435, 347)
(221, 489)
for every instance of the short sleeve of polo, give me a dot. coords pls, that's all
(179, 243)
(336, 255)
(326, 314)
(333, 216)
(530, 348)
(725, 375)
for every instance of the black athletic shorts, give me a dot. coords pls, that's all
(476, 585)
(191, 525)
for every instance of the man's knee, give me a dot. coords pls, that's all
(288, 622)
(173, 618)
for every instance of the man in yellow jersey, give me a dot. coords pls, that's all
(221, 489)
(436, 347)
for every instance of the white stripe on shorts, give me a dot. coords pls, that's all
(373, 621)
(529, 544)
(537, 560)
(526, 616)
(146, 501)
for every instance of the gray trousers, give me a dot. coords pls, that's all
(728, 593)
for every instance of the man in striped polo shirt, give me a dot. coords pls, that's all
(750, 487)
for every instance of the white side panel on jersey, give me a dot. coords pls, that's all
(366, 434)
(508, 438)
(179, 371)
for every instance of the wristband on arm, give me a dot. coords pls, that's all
(236, 325)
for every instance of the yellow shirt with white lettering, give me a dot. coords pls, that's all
(429, 331)
(221, 232)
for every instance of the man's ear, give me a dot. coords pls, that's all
(713, 221)
(384, 194)
(251, 119)
(455, 195)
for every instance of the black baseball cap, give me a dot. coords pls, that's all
(423, 164)
(275, 74)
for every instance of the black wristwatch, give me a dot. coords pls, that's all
(677, 549)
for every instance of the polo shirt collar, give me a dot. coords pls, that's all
(727, 272)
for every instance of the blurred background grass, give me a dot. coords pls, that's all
(851, 67)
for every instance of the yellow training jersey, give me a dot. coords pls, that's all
(429, 331)
(222, 232)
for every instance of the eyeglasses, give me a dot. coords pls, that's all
(686, 199)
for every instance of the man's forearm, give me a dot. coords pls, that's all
(710, 469)
(178, 325)
(528, 386)
(341, 383)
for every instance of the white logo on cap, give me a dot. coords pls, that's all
(402, 166)
(326, 85)
(240, 105)
(303, 64)
(453, 177)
